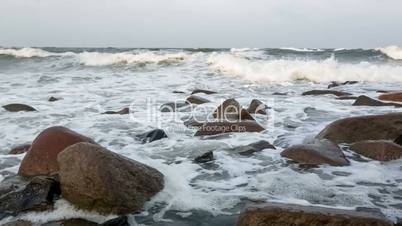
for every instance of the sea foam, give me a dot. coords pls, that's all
(393, 52)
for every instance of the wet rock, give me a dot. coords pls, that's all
(335, 84)
(151, 136)
(316, 153)
(53, 99)
(398, 140)
(18, 223)
(41, 159)
(346, 98)
(173, 106)
(367, 101)
(178, 92)
(193, 99)
(392, 96)
(19, 149)
(250, 149)
(124, 111)
(119, 221)
(279, 94)
(207, 157)
(18, 107)
(257, 107)
(230, 110)
(381, 150)
(326, 92)
(94, 178)
(372, 127)
(214, 128)
(18, 194)
(295, 215)
(208, 92)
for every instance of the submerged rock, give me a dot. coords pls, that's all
(257, 107)
(203, 91)
(124, 111)
(18, 194)
(372, 127)
(277, 214)
(19, 149)
(367, 101)
(53, 99)
(316, 153)
(207, 157)
(346, 98)
(18, 107)
(230, 110)
(335, 84)
(193, 99)
(214, 128)
(96, 179)
(381, 150)
(392, 96)
(151, 136)
(279, 94)
(250, 149)
(326, 92)
(41, 159)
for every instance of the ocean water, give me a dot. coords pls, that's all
(92, 81)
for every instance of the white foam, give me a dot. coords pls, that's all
(26, 52)
(394, 52)
(99, 59)
(280, 70)
(301, 49)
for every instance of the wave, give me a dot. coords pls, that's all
(100, 59)
(26, 52)
(393, 52)
(282, 70)
(301, 49)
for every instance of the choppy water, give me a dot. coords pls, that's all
(91, 81)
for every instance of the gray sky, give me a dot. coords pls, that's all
(201, 23)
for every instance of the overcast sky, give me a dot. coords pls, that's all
(201, 23)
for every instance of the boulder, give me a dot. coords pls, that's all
(18, 194)
(19, 149)
(279, 94)
(203, 91)
(207, 157)
(257, 107)
(316, 152)
(392, 96)
(230, 110)
(53, 99)
(119, 221)
(18, 107)
(346, 98)
(372, 127)
(96, 179)
(173, 106)
(178, 92)
(276, 214)
(41, 159)
(151, 136)
(214, 128)
(124, 111)
(335, 84)
(367, 101)
(381, 150)
(193, 99)
(326, 92)
(250, 149)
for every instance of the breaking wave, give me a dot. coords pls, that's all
(393, 52)
(26, 52)
(284, 70)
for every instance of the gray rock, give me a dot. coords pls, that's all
(193, 99)
(326, 92)
(250, 149)
(151, 136)
(18, 107)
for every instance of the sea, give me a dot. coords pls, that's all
(90, 81)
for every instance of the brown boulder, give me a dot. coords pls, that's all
(316, 153)
(325, 92)
(18, 107)
(19, 149)
(208, 92)
(372, 127)
(230, 110)
(214, 128)
(381, 150)
(124, 111)
(367, 101)
(53, 99)
(276, 214)
(96, 179)
(41, 159)
(393, 96)
(257, 107)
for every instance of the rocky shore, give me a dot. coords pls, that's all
(63, 164)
